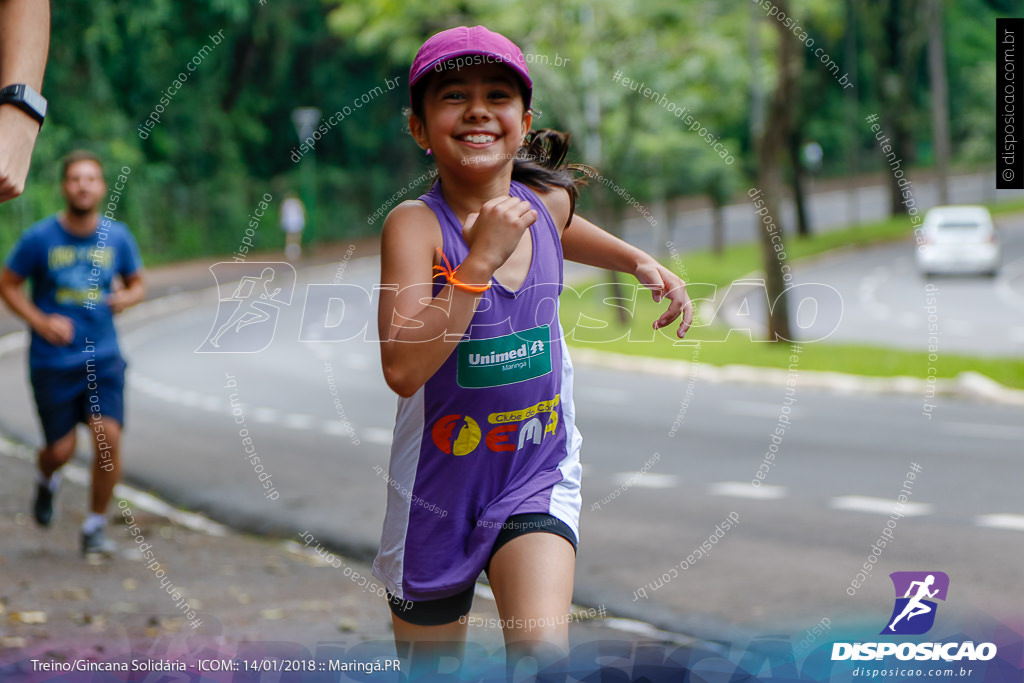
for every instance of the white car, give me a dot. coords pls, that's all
(958, 239)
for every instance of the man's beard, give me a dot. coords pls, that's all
(80, 212)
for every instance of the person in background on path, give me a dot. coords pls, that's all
(293, 220)
(73, 260)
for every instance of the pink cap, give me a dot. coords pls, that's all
(464, 40)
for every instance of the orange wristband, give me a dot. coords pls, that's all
(449, 273)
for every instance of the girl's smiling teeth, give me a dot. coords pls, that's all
(478, 138)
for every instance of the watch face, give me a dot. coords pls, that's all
(34, 100)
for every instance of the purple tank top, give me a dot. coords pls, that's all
(491, 434)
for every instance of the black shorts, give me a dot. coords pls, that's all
(66, 396)
(454, 607)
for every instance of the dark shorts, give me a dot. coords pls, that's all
(454, 607)
(67, 396)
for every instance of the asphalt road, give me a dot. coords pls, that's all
(875, 295)
(320, 418)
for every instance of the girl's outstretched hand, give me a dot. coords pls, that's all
(494, 232)
(664, 283)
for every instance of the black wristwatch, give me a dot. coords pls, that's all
(25, 98)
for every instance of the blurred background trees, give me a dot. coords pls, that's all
(226, 137)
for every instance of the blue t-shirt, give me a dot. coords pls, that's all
(72, 276)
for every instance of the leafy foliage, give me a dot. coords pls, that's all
(226, 137)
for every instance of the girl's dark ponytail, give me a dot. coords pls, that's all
(540, 163)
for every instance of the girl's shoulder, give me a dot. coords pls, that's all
(411, 211)
(410, 224)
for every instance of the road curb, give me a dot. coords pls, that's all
(967, 385)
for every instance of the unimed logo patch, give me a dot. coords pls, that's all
(498, 361)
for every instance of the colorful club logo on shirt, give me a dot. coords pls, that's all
(456, 434)
(914, 613)
(512, 431)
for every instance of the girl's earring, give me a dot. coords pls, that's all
(429, 152)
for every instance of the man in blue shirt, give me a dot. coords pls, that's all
(83, 268)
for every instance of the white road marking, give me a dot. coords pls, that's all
(880, 506)
(189, 398)
(648, 631)
(984, 431)
(868, 300)
(213, 404)
(646, 480)
(137, 383)
(15, 341)
(378, 435)
(1004, 521)
(959, 327)
(321, 351)
(164, 392)
(184, 397)
(336, 428)
(297, 421)
(269, 415)
(909, 320)
(754, 409)
(357, 361)
(256, 414)
(612, 396)
(1003, 288)
(739, 489)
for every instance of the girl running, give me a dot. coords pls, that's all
(485, 438)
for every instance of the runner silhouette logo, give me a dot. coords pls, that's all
(250, 299)
(916, 592)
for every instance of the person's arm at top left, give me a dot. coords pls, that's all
(24, 43)
(583, 242)
(134, 290)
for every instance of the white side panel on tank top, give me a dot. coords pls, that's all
(389, 565)
(566, 499)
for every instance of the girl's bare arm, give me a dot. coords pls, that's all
(584, 242)
(418, 331)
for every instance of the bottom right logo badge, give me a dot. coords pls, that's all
(916, 593)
